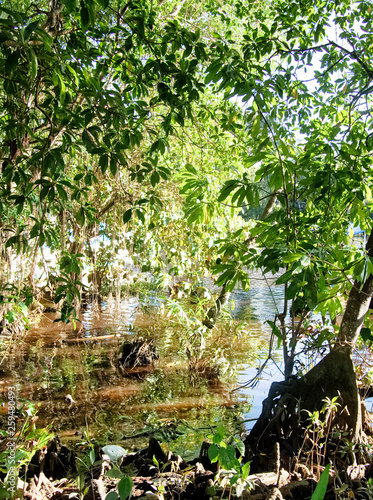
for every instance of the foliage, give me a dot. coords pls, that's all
(225, 455)
(319, 431)
(322, 485)
(21, 445)
(125, 484)
(186, 318)
(159, 127)
(87, 463)
(310, 149)
(163, 93)
(100, 132)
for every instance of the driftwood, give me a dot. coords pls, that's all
(89, 339)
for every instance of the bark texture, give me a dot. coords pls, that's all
(285, 410)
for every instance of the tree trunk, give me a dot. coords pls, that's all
(31, 274)
(76, 247)
(63, 222)
(214, 312)
(285, 410)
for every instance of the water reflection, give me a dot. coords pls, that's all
(259, 304)
(73, 377)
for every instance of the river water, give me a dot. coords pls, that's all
(72, 377)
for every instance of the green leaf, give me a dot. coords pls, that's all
(245, 471)
(51, 195)
(127, 215)
(80, 217)
(140, 215)
(61, 191)
(44, 192)
(305, 260)
(29, 30)
(366, 335)
(46, 38)
(219, 434)
(125, 486)
(155, 146)
(284, 149)
(87, 13)
(256, 127)
(114, 473)
(111, 496)
(195, 213)
(322, 485)
(292, 290)
(213, 453)
(228, 187)
(154, 179)
(164, 172)
(285, 277)
(24, 308)
(34, 64)
(113, 165)
(227, 458)
(11, 63)
(276, 331)
(62, 89)
(240, 447)
(87, 141)
(310, 290)
(227, 276)
(103, 162)
(291, 257)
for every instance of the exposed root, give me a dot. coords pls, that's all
(275, 495)
(137, 353)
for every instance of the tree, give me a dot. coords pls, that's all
(313, 149)
(92, 93)
(106, 104)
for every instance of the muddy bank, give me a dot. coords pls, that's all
(156, 473)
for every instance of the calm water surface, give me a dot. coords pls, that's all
(74, 380)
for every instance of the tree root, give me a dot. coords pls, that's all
(286, 411)
(275, 495)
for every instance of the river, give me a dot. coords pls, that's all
(72, 377)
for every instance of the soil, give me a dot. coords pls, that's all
(159, 474)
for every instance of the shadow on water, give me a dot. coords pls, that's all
(74, 379)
